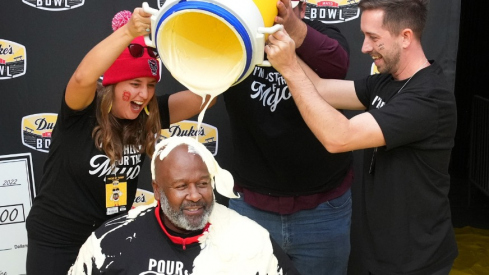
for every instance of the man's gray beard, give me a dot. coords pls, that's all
(179, 219)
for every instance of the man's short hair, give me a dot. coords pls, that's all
(400, 14)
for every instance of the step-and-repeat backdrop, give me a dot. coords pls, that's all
(43, 41)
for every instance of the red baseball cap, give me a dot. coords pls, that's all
(127, 66)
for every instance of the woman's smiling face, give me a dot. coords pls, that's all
(131, 96)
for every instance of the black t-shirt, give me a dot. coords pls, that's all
(275, 152)
(78, 189)
(136, 244)
(406, 219)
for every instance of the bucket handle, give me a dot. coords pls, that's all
(269, 30)
(148, 39)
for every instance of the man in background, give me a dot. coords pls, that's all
(288, 182)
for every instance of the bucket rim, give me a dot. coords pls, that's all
(218, 12)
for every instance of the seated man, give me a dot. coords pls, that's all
(186, 232)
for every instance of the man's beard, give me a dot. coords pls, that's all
(179, 219)
(391, 62)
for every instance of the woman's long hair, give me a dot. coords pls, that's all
(112, 134)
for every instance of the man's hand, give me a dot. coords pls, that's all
(280, 52)
(291, 21)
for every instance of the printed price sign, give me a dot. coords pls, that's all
(16, 195)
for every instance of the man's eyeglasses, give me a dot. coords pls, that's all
(137, 50)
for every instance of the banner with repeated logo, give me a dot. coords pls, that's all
(43, 41)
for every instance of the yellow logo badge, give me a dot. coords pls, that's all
(143, 197)
(37, 129)
(12, 59)
(374, 69)
(186, 128)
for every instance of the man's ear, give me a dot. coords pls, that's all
(408, 36)
(156, 190)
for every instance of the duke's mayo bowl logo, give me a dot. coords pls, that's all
(143, 197)
(337, 11)
(186, 128)
(54, 5)
(12, 59)
(37, 129)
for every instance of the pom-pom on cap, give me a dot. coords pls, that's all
(120, 19)
(126, 66)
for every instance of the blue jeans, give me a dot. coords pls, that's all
(316, 240)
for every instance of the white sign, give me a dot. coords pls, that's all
(16, 194)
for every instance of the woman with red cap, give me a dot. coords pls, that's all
(99, 143)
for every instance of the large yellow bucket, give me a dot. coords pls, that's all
(209, 46)
(268, 11)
